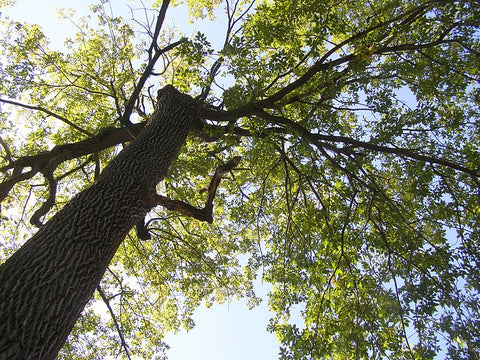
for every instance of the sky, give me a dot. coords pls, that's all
(228, 331)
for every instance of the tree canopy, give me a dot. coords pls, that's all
(357, 194)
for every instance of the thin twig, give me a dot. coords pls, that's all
(114, 318)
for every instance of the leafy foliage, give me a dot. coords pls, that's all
(357, 196)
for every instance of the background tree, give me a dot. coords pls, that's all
(356, 197)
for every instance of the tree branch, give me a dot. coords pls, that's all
(8, 153)
(158, 26)
(51, 159)
(125, 119)
(115, 321)
(204, 214)
(48, 204)
(403, 152)
(322, 65)
(48, 112)
(232, 21)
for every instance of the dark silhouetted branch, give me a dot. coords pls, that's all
(51, 159)
(154, 54)
(48, 204)
(204, 214)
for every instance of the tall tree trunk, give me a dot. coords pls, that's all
(45, 285)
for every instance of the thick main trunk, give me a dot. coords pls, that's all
(45, 285)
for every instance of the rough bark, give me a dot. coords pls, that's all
(45, 285)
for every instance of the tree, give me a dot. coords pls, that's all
(356, 196)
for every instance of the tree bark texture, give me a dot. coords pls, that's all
(45, 285)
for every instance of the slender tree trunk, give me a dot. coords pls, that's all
(45, 285)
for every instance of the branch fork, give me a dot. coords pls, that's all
(202, 214)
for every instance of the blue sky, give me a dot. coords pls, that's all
(227, 331)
